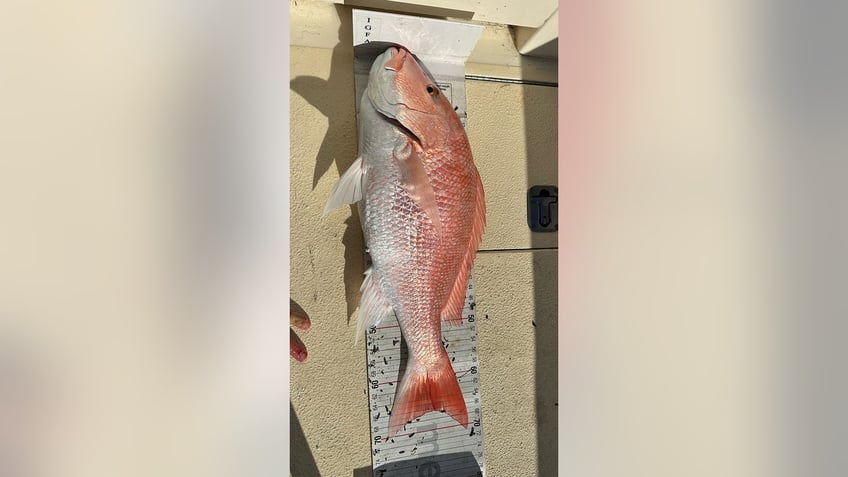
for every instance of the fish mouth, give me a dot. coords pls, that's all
(398, 56)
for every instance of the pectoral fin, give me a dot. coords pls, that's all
(416, 183)
(349, 188)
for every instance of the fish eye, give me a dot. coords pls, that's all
(434, 92)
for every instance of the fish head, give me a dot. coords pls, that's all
(400, 89)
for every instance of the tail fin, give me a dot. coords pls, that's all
(423, 390)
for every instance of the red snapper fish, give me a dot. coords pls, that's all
(423, 213)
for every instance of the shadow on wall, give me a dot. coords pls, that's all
(540, 129)
(334, 98)
(302, 462)
(363, 472)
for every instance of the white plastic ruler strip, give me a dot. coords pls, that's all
(434, 444)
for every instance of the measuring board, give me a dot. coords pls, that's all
(434, 444)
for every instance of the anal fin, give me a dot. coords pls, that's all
(373, 308)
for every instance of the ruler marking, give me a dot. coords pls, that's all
(428, 430)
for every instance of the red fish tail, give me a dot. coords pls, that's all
(423, 390)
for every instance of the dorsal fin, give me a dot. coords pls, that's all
(452, 313)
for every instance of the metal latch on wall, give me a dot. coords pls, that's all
(542, 209)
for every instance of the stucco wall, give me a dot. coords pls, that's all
(512, 130)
